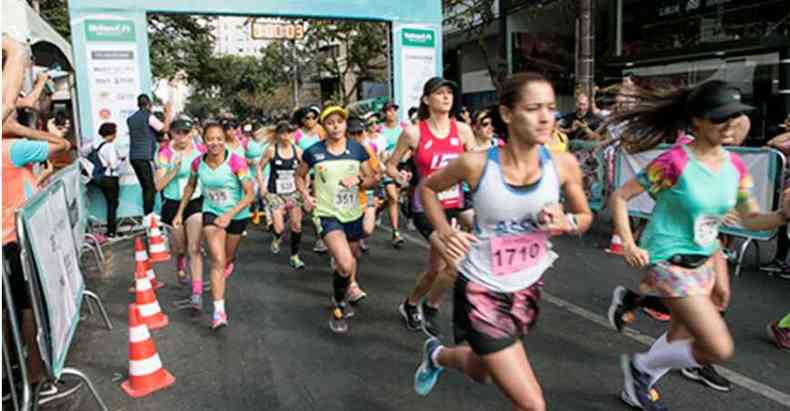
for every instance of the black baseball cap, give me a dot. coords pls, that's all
(388, 105)
(182, 124)
(435, 83)
(355, 125)
(715, 100)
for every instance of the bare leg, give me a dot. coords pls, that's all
(392, 204)
(698, 316)
(427, 278)
(216, 245)
(194, 229)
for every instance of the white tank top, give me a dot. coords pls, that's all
(512, 253)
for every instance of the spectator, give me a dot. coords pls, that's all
(111, 163)
(143, 127)
(781, 141)
(581, 123)
(15, 57)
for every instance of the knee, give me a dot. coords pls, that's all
(723, 350)
(218, 263)
(346, 265)
(296, 227)
(193, 249)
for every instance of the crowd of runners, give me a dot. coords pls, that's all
(487, 191)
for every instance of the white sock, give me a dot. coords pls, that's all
(435, 356)
(219, 306)
(664, 356)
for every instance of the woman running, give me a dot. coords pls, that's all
(367, 198)
(173, 168)
(283, 157)
(485, 138)
(256, 146)
(387, 139)
(516, 190)
(225, 179)
(307, 135)
(340, 173)
(435, 141)
(694, 185)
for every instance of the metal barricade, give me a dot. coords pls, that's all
(593, 165)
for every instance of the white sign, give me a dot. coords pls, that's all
(418, 62)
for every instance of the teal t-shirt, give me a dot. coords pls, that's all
(392, 135)
(691, 201)
(166, 159)
(254, 153)
(222, 187)
(304, 140)
(333, 199)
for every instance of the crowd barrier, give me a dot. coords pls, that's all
(593, 165)
(48, 228)
(766, 166)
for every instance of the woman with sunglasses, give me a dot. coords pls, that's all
(308, 134)
(173, 164)
(225, 180)
(694, 185)
(485, 138)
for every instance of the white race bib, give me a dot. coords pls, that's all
(218, 196)
(706, 229)
(449, 194)
(285, 185)
(347, 198)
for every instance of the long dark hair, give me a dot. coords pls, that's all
(656, 118)
(510, 93)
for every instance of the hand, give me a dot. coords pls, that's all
(54, 129)
(168, 107)
(635, 256)
(309, 202)
(553, 219)
(42, 77)
(177, 221)
(403, 177)
(786, 202)
(350, 181)
(222, 221)
(456, 243)
(49, 168)
(732, 218)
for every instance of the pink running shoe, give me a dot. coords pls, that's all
(220, 319)
(780, 336)
(656, 315)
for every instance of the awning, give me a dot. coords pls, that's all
(21, 22)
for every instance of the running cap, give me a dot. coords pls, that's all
(334, 110)
(182, 124)
(435, 83)
(715, 100)
(229, 123)
(315, 110)
(283, 126)
(355, 125)
(388, 105)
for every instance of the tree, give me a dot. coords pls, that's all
(56, 13)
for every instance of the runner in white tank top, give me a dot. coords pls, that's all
(516, 191)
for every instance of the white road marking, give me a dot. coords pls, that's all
(736, 378)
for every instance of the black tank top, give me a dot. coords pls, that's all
(282, 175)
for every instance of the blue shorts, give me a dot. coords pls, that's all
(353, 229)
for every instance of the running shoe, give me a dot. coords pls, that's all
(354, 294)
(410, 225)
(776, 266)
(275, 247)
(296, 262)
(229, 269)
(196, 302)
(338, 317)
(616, 309)
(427, 373)
(430, 320)
(256, 218)
(183, 278)
(411, 315)
(363, 245)
(219, 319)
(397, 240)
(319, 247)
(708, 376)
(637, 391)
(656, 315)
(780, 336)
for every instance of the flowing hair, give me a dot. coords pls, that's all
(656, 118)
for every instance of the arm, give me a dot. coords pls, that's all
(30, 100)
(467, 136)
(267, 157)
(753, 219)
(41, 178)
(249, 196)
(368, 178)
(781, 138)
(571, 180)
(164, 176)
(185, 198)
(407, 140)
(619, 204)
(57, 143)
(13, 73)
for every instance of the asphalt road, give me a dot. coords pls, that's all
(279, 354)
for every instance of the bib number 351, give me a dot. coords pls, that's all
(510, 254)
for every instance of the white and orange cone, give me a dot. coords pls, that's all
(145, 298)
(142, 263)
(616, 246)
(157, 245)
(146, 374)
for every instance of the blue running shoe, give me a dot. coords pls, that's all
(427, 373)
(637, 391)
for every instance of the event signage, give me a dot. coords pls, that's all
(418, 61)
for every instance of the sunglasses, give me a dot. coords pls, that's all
(722, 120)
(486, 124)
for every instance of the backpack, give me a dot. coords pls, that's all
(98, 167)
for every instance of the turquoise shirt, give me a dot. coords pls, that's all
(166, 159)
(254, 153)
(392, 135)
(691, 201)
(222, 187)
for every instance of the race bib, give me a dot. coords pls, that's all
(347, 198)
(285, 185)
(218, 196)
(513, 253)
(451, 193)
(706, 229)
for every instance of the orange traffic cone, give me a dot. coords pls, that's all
(146, 302)
(141, 263)
(616, 246)
(146, 374)
(156, 244)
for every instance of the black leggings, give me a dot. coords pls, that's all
(142, 168)
(109, 187)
